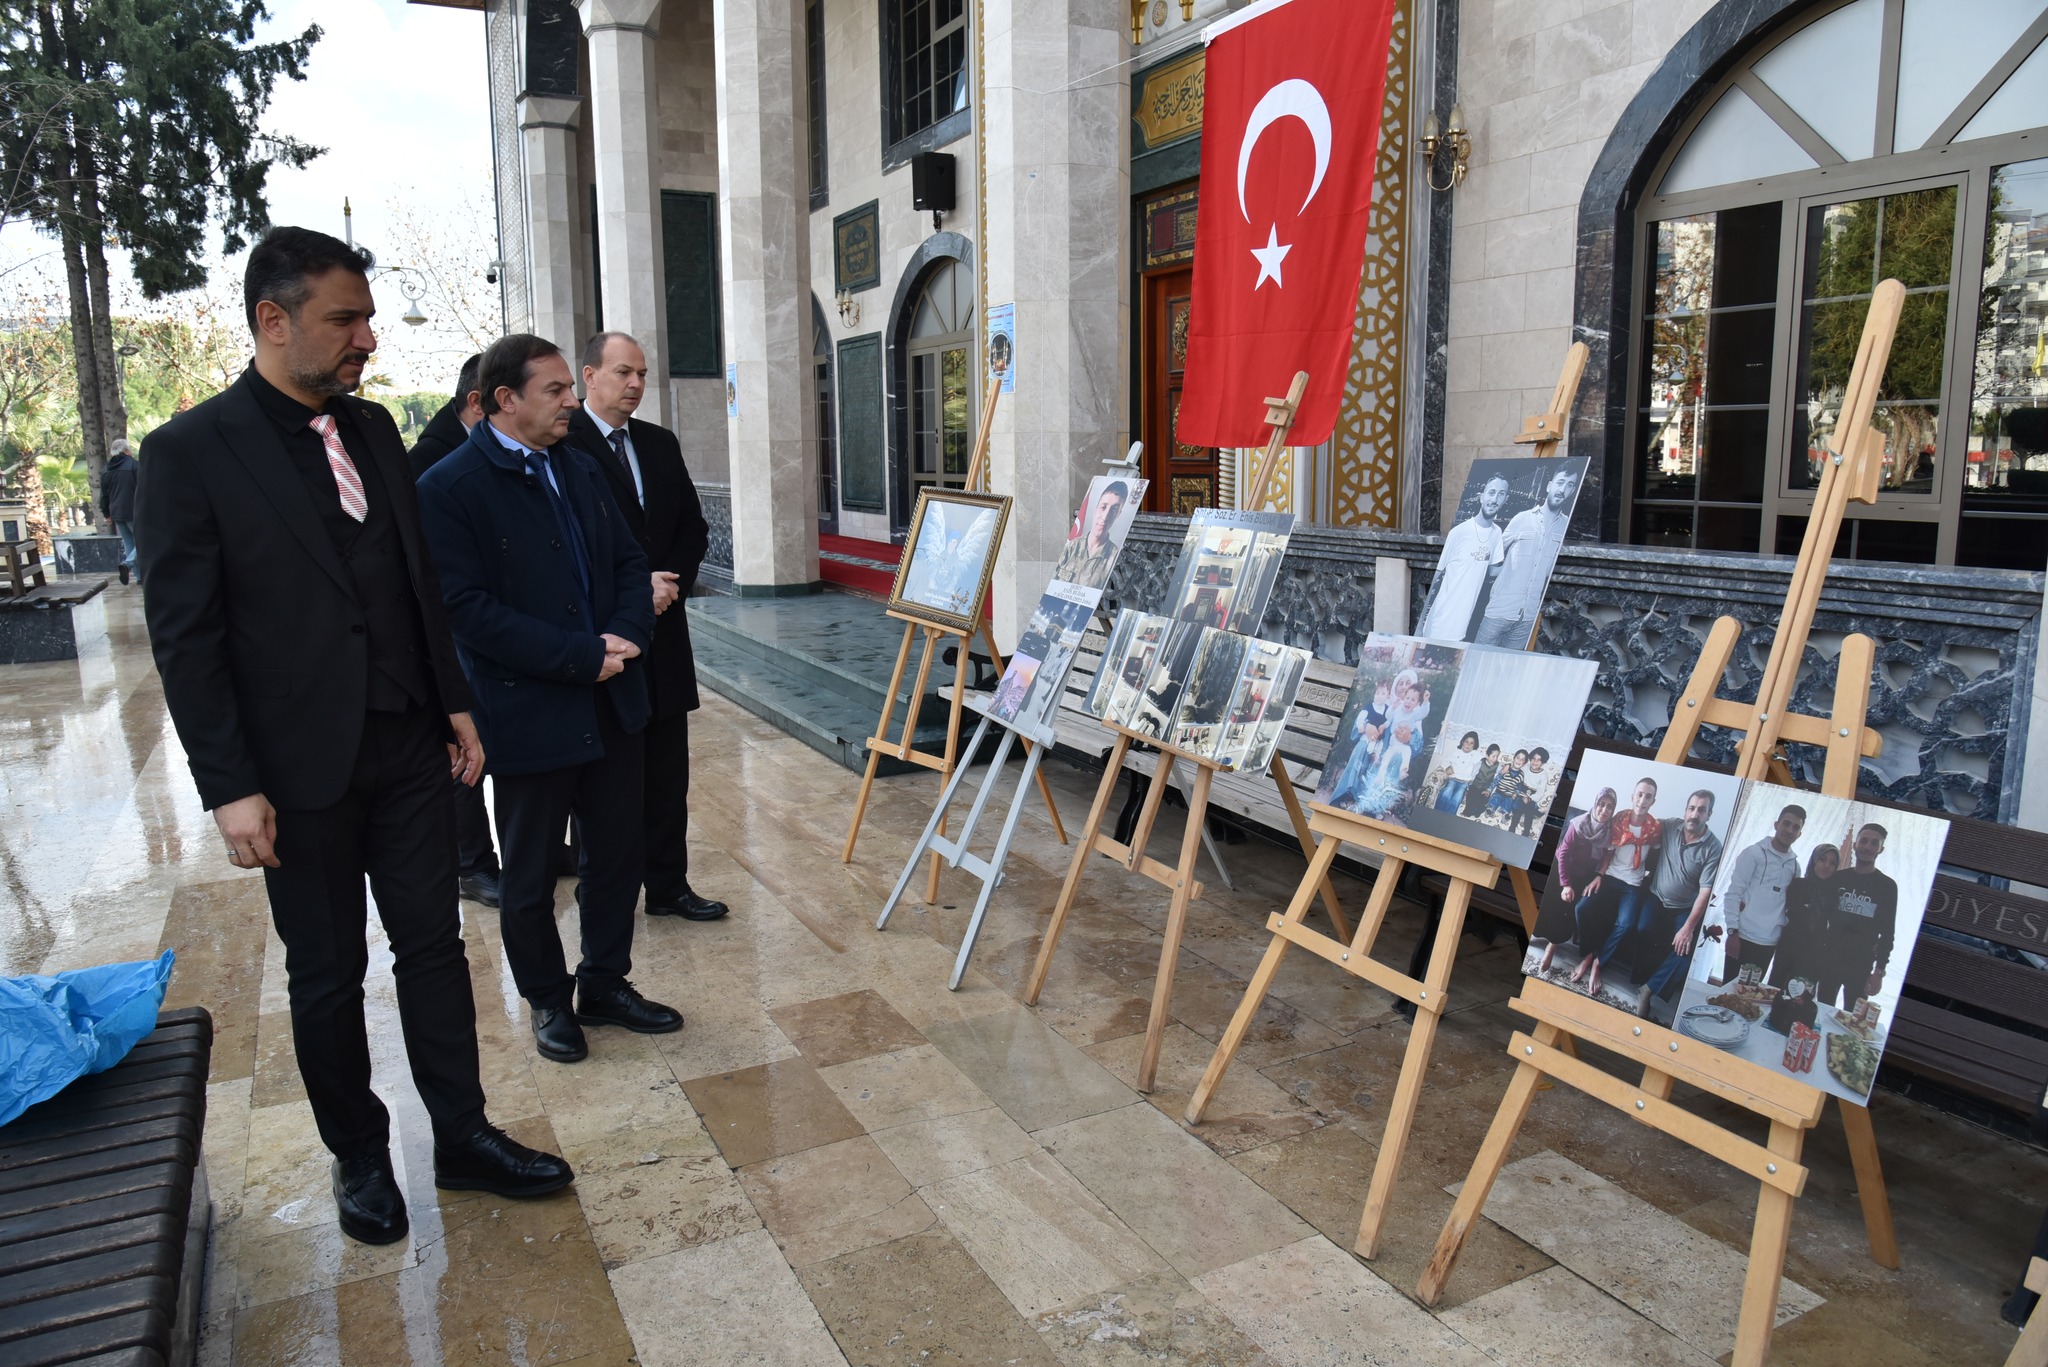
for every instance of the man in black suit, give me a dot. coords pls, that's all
(297, 622)
(549, 597)
(644, 466)
(448, 430)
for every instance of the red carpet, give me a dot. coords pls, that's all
(864, 566)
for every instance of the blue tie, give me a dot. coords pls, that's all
(572, 530)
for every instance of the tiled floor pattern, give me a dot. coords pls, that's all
(838, 1161)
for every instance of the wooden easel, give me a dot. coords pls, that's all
(1666, 1057)
(1178, 878)
(1466, 867)
(905, 747)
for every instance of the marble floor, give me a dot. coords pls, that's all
(839, 1161)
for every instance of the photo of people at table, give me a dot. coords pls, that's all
(1391, 718)
(1635, 867)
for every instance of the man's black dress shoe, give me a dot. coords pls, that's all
(621, 1004)
(481, 886)
(557, 1035)
(491, 1160)
(366, 1194)
(689, 906)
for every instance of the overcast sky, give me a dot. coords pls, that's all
(398, 95)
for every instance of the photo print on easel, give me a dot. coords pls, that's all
(1127, 664)
(1391, 718)
(1801, 957)
(1509, 728)
(1266, 688)
(1642, 847)
(944, 574)
(1036, 674)
(1498, 556)
(1228, 567)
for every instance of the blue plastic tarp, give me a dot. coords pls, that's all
(54, 1030)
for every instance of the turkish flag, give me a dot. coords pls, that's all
(1290, 136)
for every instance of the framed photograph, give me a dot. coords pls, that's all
(1498, 556)
(1492, 777)
(943, 576)
(1800, 959)
(1396, 706)
(1643, 846)
(1229, 565)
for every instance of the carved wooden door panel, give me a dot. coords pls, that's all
(1183, 477)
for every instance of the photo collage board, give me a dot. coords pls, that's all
(1195, 677)
(1457, 742)
(1037, 672)
(1772, 923)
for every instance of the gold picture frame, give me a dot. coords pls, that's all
(949, 557)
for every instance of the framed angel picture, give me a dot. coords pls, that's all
(943, 577)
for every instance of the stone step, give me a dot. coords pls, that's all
(837, 641)
(828, 720)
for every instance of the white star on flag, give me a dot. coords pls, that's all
(1270, 256)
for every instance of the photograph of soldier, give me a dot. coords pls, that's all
(1098, 530)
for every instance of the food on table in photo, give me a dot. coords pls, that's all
(1749, 1008)
(1853, 1062)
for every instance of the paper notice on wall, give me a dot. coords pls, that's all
(1002, 344)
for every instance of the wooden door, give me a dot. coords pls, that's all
(1183, 477)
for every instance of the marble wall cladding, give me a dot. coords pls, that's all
(626, 149)
(1543, 83)
(558, 213)
(1957, 649)
(686, 72)
(700, 428)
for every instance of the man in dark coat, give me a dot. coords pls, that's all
(644, 466)
(117, 500)
(549, 597)
(449, 427)
(296, 619)
(448, 430)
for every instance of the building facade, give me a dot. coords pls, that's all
(1704, 192)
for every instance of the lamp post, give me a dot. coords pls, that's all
(411, 282)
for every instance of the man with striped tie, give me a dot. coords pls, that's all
(296, 618)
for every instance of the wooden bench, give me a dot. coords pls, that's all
(104, 1211)
(21, 569)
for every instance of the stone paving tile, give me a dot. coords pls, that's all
(834, 1199)
(1246, 1111)
(1553, 1319)
(1027, 1069)
(919, 1299)
(849, 1026)
(651, 1191)
(734, 1302)
(1149, 1320)
(887, 1090)
(763, 1112)
(930, 1151)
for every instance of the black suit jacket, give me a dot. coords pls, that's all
(253, 618)
(672, 533)
(442, 434)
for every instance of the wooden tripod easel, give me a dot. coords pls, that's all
(1178, 878)
(904, 748)
(1466, 868)
(1666, 1057)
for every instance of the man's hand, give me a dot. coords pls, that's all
(249, 825)
(1681, 943)
(617, 650)
(1872, 987)
(466, 751)
(665, 591)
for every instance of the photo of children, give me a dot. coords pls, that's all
(1643, 844)
(1390, 722)
(1801, 956)
(1498, 556)
(1508, 729)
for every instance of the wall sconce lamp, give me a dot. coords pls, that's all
(849, 309)
(1450, 137)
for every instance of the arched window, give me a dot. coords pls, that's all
(1880, 138)
(940, 351)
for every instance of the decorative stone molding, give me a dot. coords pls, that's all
(717, 568)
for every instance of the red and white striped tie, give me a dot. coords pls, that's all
(347, 482)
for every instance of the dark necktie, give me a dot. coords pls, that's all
(565, 519)
(618, 441)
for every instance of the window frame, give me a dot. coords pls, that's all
(898, 146)
(1969, 166)
(818, 148)
(707, 201)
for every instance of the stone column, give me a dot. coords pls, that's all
(625, 131)
(1054, 243)
(547, 131)
(764, 229)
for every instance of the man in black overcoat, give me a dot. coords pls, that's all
(296, 619)
(644, 466)
(550, 600)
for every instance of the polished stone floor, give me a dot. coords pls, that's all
(840, 1161)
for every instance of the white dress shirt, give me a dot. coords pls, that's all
(605, 430)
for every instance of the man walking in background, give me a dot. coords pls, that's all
(643, 464)
(448, 430)
(117, 499)
(296, 618)
(552, 608)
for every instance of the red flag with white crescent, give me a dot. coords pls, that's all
(1290, 136)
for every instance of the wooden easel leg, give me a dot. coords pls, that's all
(1176, 922)
(1870, 1188)
(1292, 801)
(1414, 1064)
(1148, 815)
(867, 783)
(1261, 984)
(1493, 1156)
(1085, 846)
(1767, 1242)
